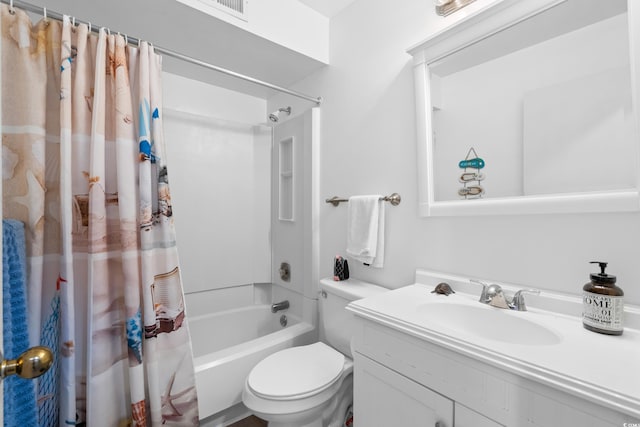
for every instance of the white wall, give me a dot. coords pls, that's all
(191, 96)
(368, 147)
(219, 170)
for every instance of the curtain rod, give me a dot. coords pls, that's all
(43, 11)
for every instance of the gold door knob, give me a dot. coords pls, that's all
(30, 364)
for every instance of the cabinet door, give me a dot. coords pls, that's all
(384, 398)
(465, 417)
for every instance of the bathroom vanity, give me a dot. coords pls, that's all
(452, 361)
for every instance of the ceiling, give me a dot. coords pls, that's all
(328, 8)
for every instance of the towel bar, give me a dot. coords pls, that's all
(394, 199)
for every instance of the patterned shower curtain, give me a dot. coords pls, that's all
(84, 168)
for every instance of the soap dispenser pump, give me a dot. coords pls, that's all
(602, 303)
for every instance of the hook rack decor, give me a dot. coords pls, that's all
(394, 199)
(471, 165)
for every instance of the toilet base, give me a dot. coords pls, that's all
(316, 423)
(332, 415)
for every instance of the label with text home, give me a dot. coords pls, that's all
(602, 311)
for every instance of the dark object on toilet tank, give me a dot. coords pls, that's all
(340, 269)
(444, 289)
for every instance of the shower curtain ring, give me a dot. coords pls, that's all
(126, 40)
(89, 32)
(44, 13)
(11, 9)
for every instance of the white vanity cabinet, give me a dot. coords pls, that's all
(384, 397)
(401, 379)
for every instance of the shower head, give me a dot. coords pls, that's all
(275, 116)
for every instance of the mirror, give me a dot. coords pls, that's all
(541, 93)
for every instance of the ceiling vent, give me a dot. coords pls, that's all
(237, 8)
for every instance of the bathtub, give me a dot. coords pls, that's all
(227, 345)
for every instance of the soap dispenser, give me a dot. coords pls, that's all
(602, 303)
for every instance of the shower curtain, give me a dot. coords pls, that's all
(84, 169)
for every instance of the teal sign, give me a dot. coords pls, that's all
(476, 163)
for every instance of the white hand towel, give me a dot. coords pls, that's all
(365, 230)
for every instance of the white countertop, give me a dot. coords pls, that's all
(601, 368)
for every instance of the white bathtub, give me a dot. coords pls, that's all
(228, 344)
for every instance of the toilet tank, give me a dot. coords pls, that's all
(337, 323)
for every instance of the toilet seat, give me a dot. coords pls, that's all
(310, 370)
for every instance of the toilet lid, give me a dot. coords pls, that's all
(296, 372)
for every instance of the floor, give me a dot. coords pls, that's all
(251, 421)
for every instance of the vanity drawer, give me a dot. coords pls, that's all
(384, 398)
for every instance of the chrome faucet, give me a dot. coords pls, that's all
(517, 302)
(282, 305)
(494, 296)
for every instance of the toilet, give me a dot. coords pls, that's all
(311, 385)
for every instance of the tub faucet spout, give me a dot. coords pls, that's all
(282, 305)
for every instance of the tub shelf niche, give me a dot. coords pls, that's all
(286, 178)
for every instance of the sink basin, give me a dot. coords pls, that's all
(488, 322)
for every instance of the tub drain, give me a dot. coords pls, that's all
(283, 320)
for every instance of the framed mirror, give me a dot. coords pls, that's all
(530, 107)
